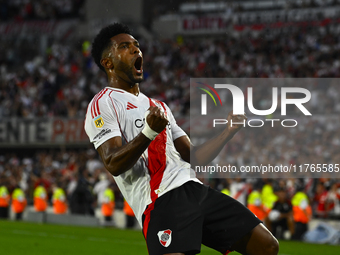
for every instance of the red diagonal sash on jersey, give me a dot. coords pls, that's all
(156, 166)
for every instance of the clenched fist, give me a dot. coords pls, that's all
(232, 119)
(156, 119)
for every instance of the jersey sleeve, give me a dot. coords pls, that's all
(175, 129)
(101, 122)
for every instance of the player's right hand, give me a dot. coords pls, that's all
(234, 118)
(156, 119)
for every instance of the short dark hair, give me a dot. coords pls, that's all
(102, 40)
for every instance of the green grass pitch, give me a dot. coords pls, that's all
(43, 239)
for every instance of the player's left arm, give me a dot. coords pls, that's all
(206, 152)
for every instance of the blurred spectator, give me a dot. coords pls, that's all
(59, 200)
(93, 163)
(225, 190)
(129, 214)
(320, 200)
(4, 201)
(81, 198)
(40, 198)
(100, 187)
(302, 213)
(268, 196)
(108, 204)
(255, 204)
(284, 220)
(333, 201)
(19, 202)
(239, 190)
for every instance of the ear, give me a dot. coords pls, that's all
(106, 63)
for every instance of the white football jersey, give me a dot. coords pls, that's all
(115, 112)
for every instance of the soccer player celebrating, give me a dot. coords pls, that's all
(149, 156)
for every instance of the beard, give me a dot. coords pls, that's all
(128, 70)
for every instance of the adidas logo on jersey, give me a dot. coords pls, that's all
(130, 106)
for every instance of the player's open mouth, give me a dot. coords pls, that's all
(138, 65)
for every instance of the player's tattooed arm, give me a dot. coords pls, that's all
(203, 154)
(119, 158)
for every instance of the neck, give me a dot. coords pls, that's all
(115, 82)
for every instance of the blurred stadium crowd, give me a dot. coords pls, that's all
(229, 7)
(20, 10)
(62, 81)
(71, 169)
